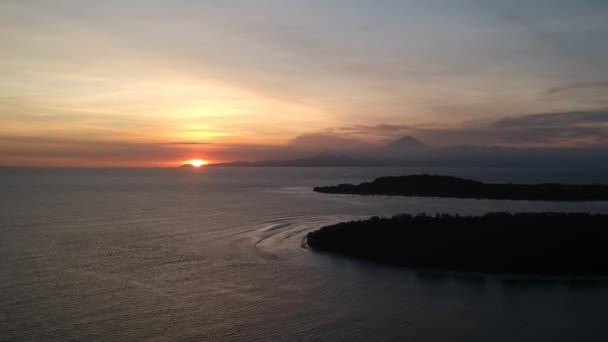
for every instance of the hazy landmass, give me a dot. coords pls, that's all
(409, 151)
(454, 187)
(530, 243)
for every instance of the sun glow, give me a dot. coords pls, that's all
(197, 162)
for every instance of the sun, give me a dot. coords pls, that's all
(197, 162)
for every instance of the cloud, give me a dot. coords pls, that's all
(559, 129)
(558, 120)
(543, 130)
(329, 140)
(403, 59)
(582, 128)
(577, 86)
(520, 137)
(381, 130)
(42, 151)
(53, 151)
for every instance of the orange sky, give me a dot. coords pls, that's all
(136, 83)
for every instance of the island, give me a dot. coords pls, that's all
(447, 186)
(525, 243)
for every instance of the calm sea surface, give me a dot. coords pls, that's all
(216, 254)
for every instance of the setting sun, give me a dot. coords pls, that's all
(197, 162)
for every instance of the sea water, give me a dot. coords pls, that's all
(217, 254)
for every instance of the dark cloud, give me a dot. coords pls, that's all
(378, 130)
(577, 86)
(329, 140)
(574, 129)
(559, 120)
(520, 137)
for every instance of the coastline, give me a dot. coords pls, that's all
(475, 244)
(425, 185)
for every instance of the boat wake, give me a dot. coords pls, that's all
(284, 237)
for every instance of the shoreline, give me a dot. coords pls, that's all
(488, 244)
(425, 185)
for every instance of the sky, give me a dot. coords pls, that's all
(155, 83)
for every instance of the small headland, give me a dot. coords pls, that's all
(571, 244)
(453, 187)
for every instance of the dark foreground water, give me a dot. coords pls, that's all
(216, 254)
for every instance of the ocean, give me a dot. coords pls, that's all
(217, 254)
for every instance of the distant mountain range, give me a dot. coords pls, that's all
(323, 159)
(409, 151)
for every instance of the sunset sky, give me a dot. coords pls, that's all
(154, 83)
